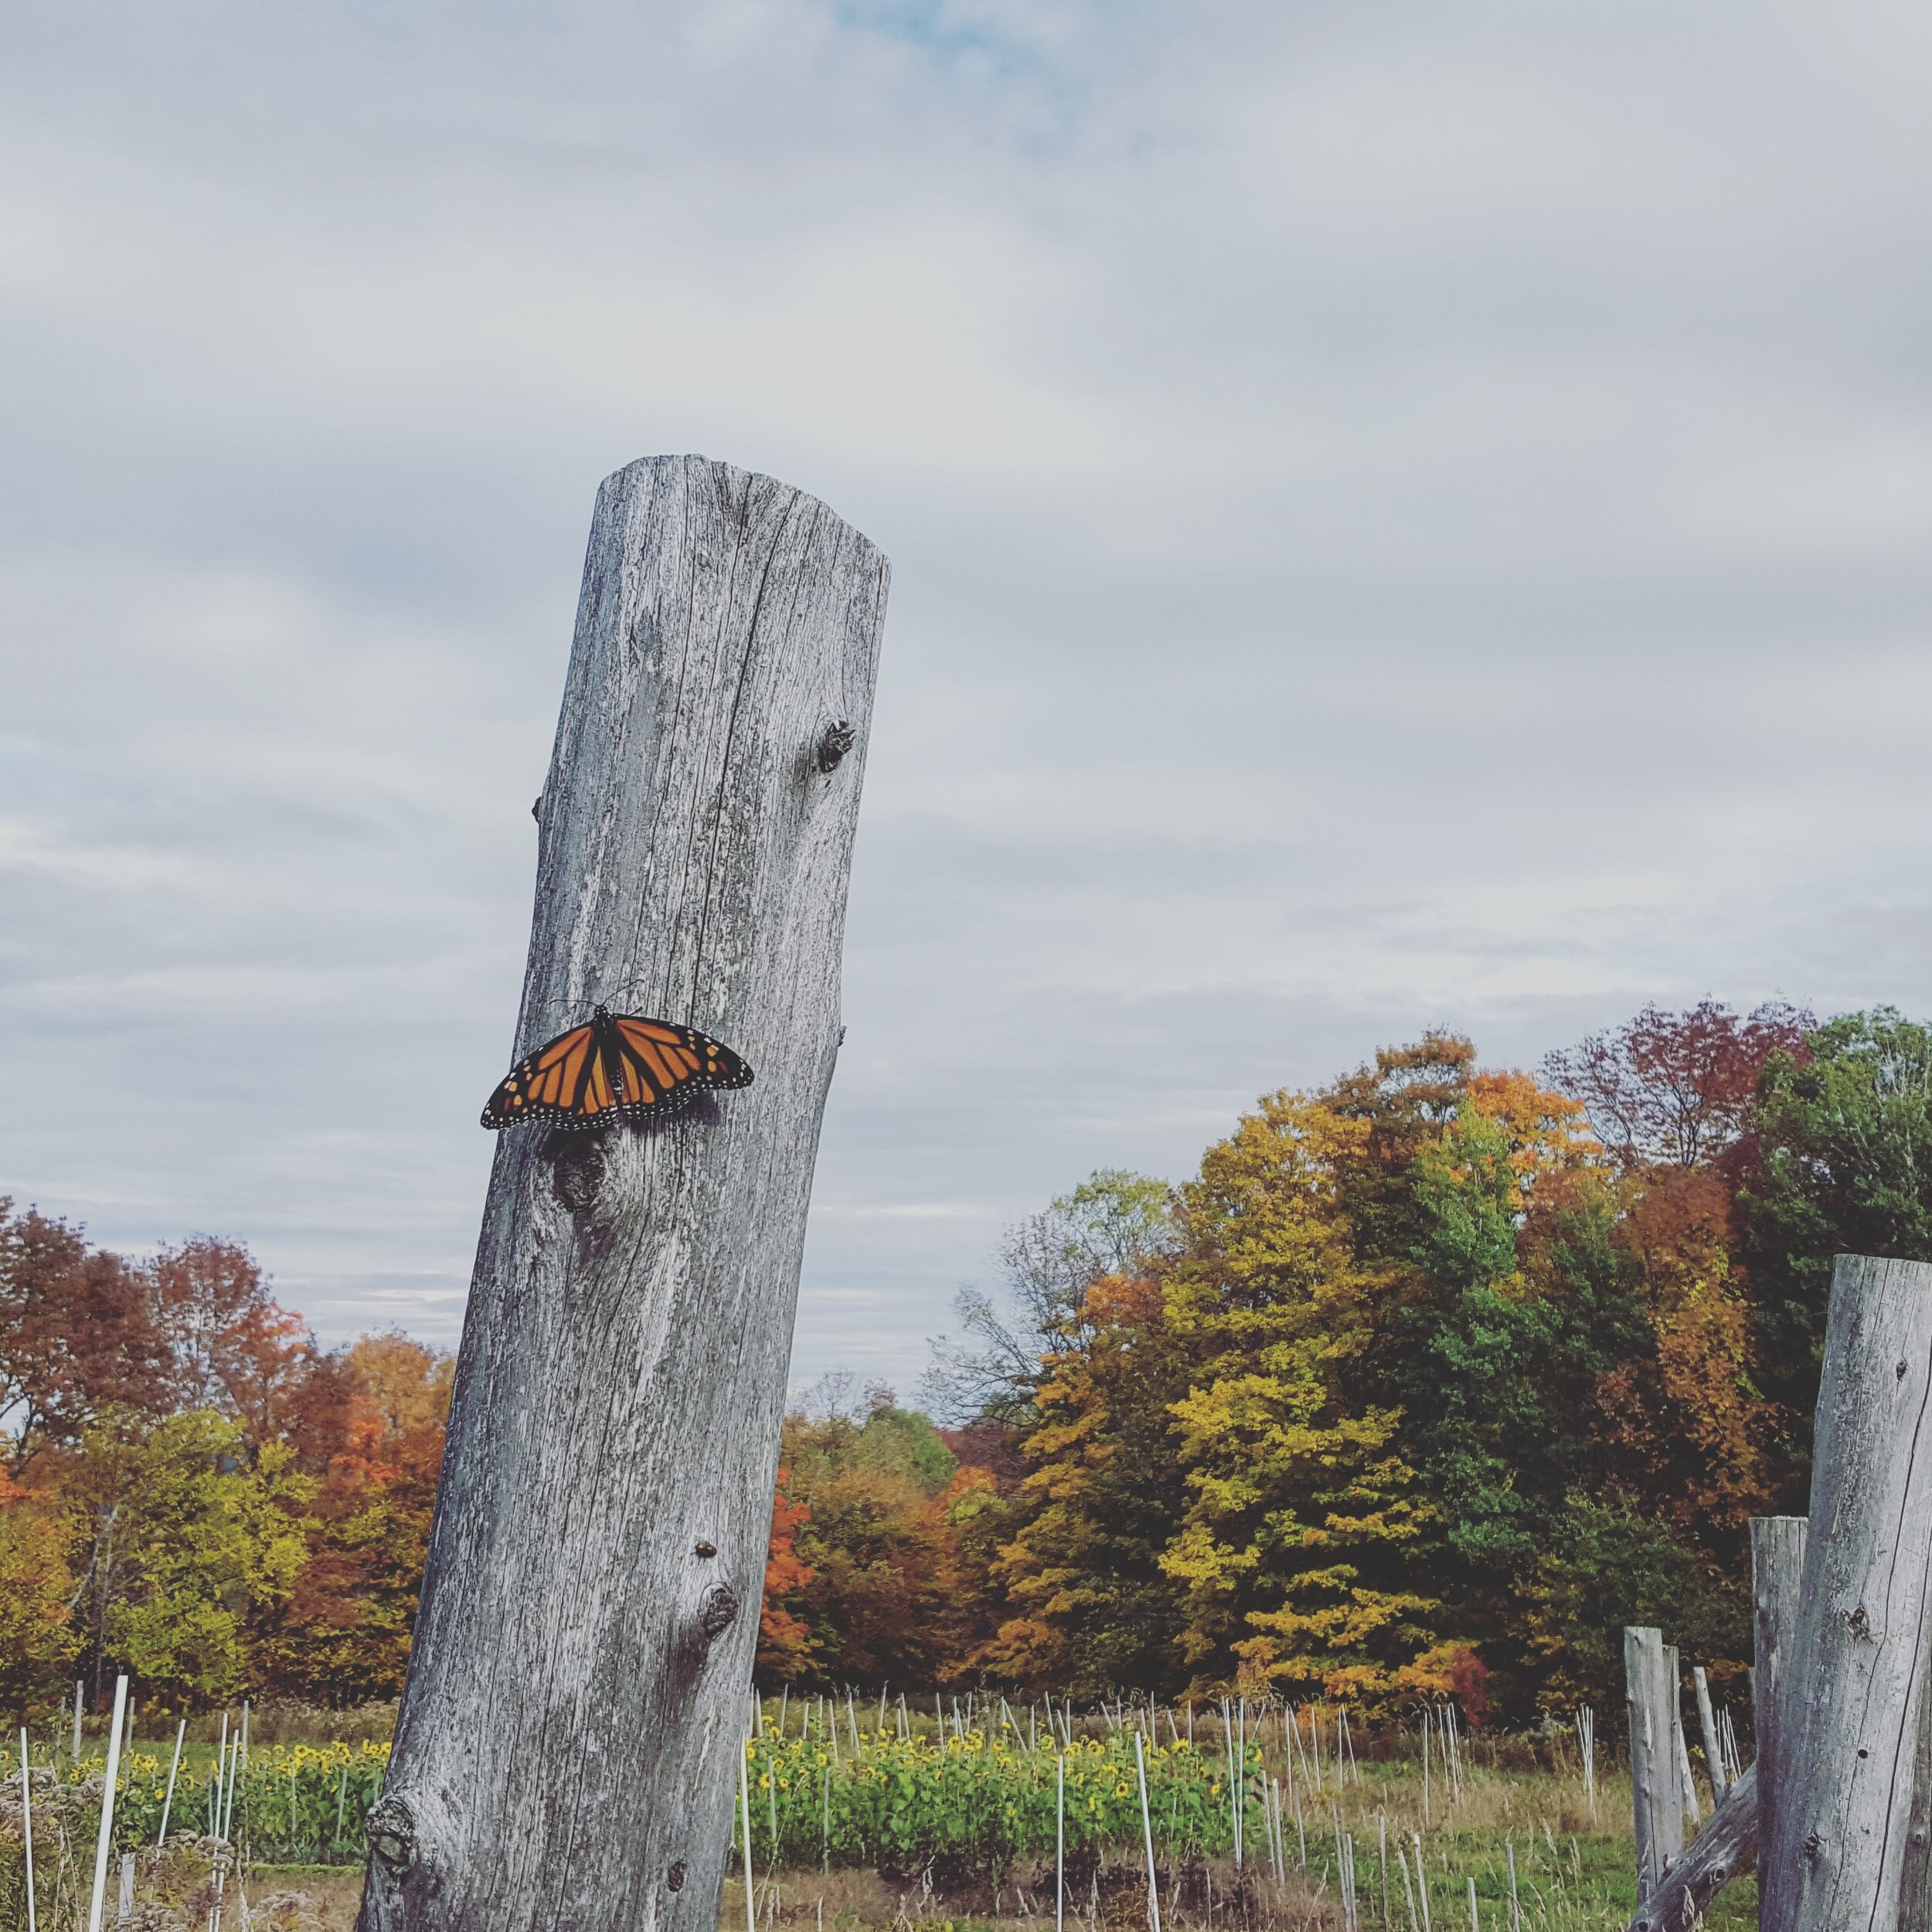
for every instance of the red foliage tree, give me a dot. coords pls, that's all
(784, 1641)
(1674, 1089)
(368, 1424)
(77, 1335)
(234, 1348)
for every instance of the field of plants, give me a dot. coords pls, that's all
(1271, 1817)
(945, 1817)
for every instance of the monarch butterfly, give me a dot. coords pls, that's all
(615, 1067)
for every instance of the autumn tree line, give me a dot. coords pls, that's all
(191, 1491)
(1430, 1381)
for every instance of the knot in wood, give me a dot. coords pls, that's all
(390, 1829)
(674, 1877)
(1813, 1848)
(715, 1613)
(1859, 1625)
(576, 1169)
(834, 743)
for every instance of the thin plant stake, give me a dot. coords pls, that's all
(1381, 1858)
(98, 1901)
(1147, 1834)
(1475, 1924)
(226, 1801)
(240, 1780)
(1515, 1910)
(168, 1803)
(744, 1807)
(221, 1771)
(77, 1682)
(26, 1827)
(1422, 1879)
(1407, 1892)
(1586, 1749)
(1060, 1843)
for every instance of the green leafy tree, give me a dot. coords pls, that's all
(182, 1536)
(1842, 1164)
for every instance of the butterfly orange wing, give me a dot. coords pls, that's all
(550, 1085)
(662, 1063)
(621, 1067)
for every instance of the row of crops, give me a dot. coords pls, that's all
(299, 1803)
(986, 1798)
(893, 1802)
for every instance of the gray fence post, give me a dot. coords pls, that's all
(1778, 1582)
(569, 1739)
(1847, 1721)
(1657, 1785)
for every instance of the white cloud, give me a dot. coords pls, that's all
(1399, 516)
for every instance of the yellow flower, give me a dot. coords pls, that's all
(1119, 1790)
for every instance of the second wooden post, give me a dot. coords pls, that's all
(1847, 1711)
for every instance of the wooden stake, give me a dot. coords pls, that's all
(605, 1501)
(168, 1803)
(97, 1900)
(744, 1805)
(1060, 1843)
(26, 1826)
(1146, 1834)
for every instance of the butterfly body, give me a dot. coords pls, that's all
(616, 1066)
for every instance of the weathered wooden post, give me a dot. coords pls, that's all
(1778, 1588)
(1707, 1730)
(1657, 1785)
(1915, 1882)
(565, 1753)
(1848, 1710)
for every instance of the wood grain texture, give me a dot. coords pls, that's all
(1725, 1849)
(1915, 1881)
(1657, 1788)
(566, 1748)
(1777, 1585)
(1848, 1710)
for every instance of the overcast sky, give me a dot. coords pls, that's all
(1401, 515)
